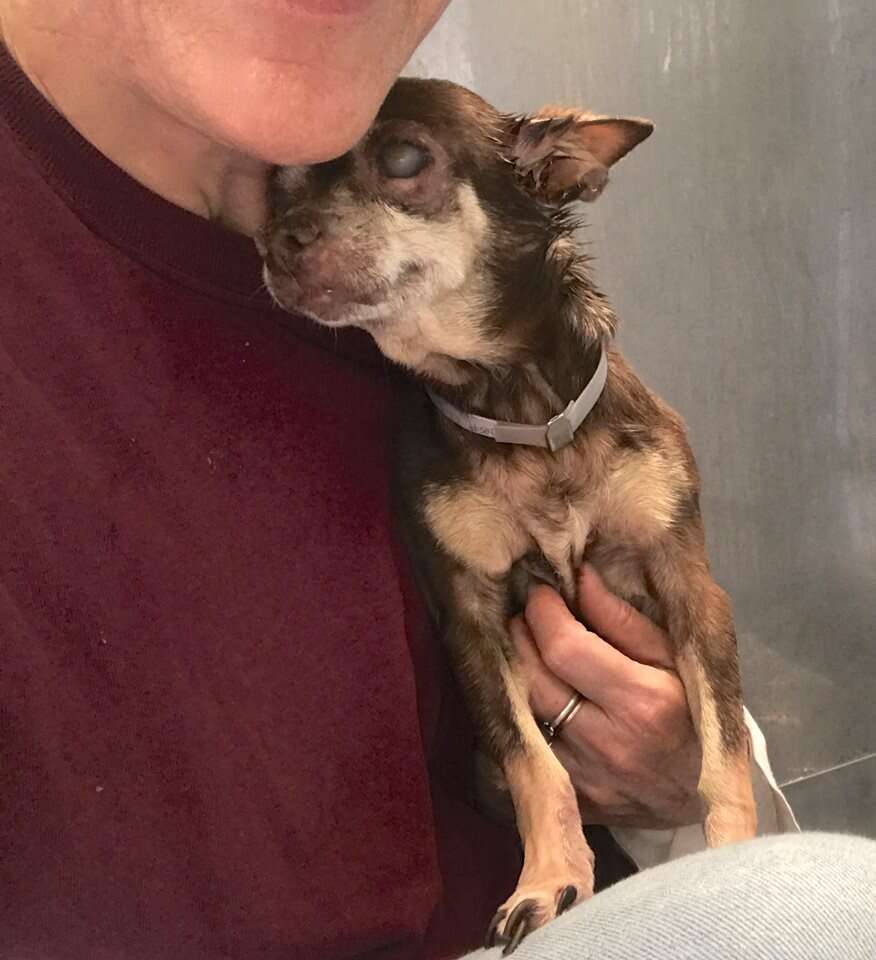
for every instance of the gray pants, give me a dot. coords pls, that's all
(793, 897)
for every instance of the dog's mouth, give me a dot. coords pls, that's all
(332, 304)
(338, 301)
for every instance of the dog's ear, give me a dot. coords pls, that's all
(563, 155)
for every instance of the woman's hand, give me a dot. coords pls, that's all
(630, 749)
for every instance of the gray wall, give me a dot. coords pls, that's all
(739, 246)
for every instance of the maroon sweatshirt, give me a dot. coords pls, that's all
(226, 732)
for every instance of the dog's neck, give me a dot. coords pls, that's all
(529, 389)
(545, 353)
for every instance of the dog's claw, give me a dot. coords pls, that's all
(566, 899)
(491, 940)
(529, 908)
(518, 924)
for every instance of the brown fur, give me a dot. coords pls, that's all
(468, 274)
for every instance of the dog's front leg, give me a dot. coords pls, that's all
(558, 863)
(700, 625)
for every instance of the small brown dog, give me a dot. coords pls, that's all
(446, 235)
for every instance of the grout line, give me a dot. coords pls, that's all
(819, 773)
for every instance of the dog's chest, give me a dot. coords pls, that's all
(509, 508)
(513, 506)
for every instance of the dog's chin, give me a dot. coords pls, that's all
(328, 306)
(345, 306)
(352, 314)
(330, 310)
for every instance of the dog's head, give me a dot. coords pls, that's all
(441, 225)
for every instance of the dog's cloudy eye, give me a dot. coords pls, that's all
(402, 160)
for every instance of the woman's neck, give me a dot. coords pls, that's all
(70, 58)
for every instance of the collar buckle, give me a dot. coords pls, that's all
(559, 431)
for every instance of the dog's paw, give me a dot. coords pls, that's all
(529, 908)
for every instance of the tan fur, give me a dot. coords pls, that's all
(436, 316)
(638, 500)
(478, 531)
(555, 851)
(447, 247)
(725, 780)
(482, 601)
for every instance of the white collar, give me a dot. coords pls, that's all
(555, 434)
